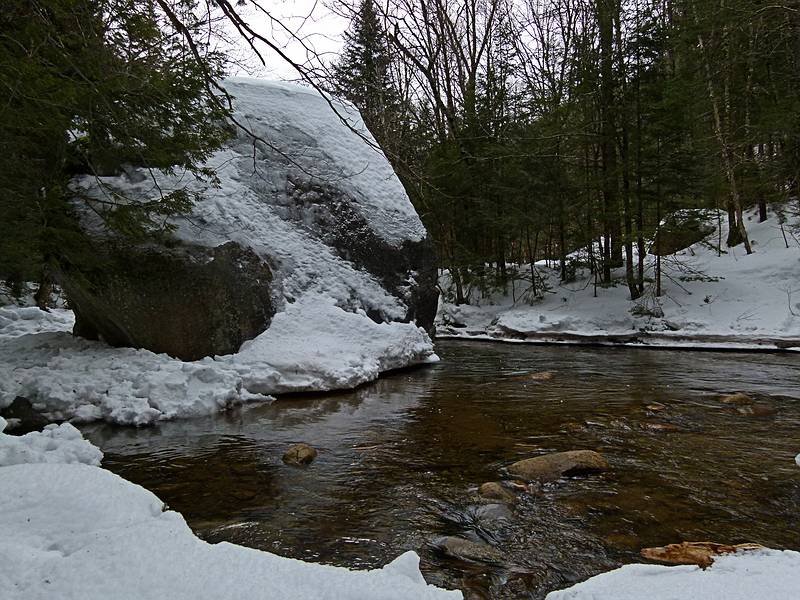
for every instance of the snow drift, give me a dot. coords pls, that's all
(772, 574)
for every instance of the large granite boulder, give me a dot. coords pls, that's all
(186, 301)
(309, 206)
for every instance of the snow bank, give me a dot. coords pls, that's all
(769, 574)
(55, 444)
(321, 337)
(21, 320)
(83, 533)
(709, 300)
(312, 345)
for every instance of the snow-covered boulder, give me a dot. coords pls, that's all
(305, 204)
(681, 229)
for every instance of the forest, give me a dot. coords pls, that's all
(525, 130)
(496, 300)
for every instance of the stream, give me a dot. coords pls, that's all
(400, 460)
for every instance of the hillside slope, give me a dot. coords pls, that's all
(711, 297)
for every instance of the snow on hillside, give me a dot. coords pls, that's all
(321, 337)
(709, 300)
(79, 532)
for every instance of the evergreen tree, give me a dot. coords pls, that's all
(87, 87)
(363, 75)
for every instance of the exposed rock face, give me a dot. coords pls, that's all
(332, 216)
(313, 210)
(188, 301)
(550, 467)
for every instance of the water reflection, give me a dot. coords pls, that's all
(399, 461)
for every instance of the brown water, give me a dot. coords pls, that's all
(399, 461)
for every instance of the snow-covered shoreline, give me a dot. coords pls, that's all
(651, 340)
(312, 346)
(713, 299)
(769, 574)
(74, 530)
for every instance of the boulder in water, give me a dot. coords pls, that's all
(550, 467)
(462, 549)
(494, 490)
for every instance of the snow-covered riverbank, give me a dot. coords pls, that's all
(312, 346)
(771, 574)
(72, 530)
(711, 299)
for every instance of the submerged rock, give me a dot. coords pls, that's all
(22, 417)
(494, 490)
(550, 467)
(736, 398)
(462, 549)
(299, 455)
(756, 410)
(660, 427)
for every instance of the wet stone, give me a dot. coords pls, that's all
(299, 455)
(494, 490)
(551, 467)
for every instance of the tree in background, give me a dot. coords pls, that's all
(88, 87)
(362, 74)
(567, 130)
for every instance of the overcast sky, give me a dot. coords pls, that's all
(311, 21)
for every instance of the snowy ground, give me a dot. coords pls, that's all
(321, 337)
(720, 301)
(72, 530)
(766, 574)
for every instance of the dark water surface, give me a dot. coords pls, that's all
(399, 461)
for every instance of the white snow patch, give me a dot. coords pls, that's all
(54, 444)
(772, 574)
(77, 532)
